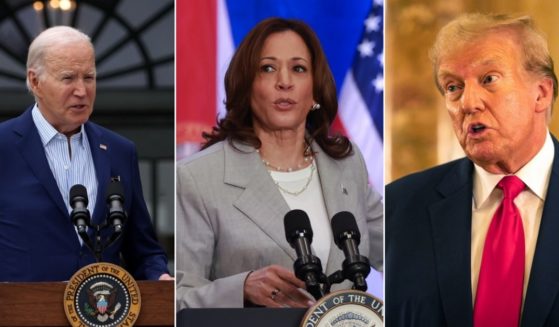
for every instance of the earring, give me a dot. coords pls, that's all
(315, 106)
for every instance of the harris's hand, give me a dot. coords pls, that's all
(275, 287)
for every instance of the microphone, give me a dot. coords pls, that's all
(115, 200)
(308, 268)
(347, 237)
(80, 215)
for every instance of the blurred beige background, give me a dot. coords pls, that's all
(418, 131)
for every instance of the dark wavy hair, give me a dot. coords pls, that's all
(238, 122)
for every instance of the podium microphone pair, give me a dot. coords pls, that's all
(308, 267)
(80, 214)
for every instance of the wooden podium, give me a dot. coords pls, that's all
(40, 304)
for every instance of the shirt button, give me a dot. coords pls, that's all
(66, 167)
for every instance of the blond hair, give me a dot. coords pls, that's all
(467, 27)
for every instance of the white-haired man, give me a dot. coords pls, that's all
(51, 147)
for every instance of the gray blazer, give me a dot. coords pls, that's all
(230, 220)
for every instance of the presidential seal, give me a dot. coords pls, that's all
(347, 308)
(102, 295)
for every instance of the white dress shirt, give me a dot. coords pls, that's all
(312, 202)
(487, 198)
(68, 170)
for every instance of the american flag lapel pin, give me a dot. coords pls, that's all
(103, 146)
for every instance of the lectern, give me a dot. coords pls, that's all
(41, 304)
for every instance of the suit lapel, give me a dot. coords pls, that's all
(451, 225)
(33, 152)
(260, 201)
(263, 203)
(100, 153)
(543, 286)
(331, 177)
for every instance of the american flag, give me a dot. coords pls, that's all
(361, 96)
(351, 34)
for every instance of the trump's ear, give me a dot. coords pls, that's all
(544, 94)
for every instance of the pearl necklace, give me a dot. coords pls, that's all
(307, 183)
(306, 160)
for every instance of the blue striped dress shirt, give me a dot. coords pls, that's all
(68, 171)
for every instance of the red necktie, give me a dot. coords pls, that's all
(501, 277)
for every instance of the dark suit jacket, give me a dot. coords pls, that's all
(428, 242)
(38, 241)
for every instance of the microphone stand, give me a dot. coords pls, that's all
(98, 246)
(317, 290)
(316, 281)
(357, 270)
(335, 278)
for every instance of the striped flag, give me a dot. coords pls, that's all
(351, 34)
(361, 96)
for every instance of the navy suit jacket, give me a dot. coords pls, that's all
(38, 241)
(428, 245)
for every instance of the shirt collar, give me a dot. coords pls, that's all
(47, 132)
(535, 174)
